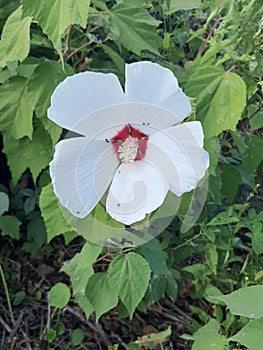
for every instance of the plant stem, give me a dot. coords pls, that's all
(7, 295)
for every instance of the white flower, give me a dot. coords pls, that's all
(130, 142)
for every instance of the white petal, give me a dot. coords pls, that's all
(81, 171)
(179, 155)
(137, 189)
(106, 122)
(151, 83)
(81, 94)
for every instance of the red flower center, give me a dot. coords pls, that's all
(130, 144)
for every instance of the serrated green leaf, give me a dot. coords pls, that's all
(25, 153)
(59, 295)
(221, 98)
(134, 27)
(50, 211)
(55, 16)
(41, 85)
(129, 275)
(15, 39)
(155, 256)
(101, 295)
(9, 226)
(16, 112)
(245, 301)
(250, 335)
(4, 202)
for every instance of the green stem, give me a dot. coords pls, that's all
(7, 295)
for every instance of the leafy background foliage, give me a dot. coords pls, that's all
(215, 50)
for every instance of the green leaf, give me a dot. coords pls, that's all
(16, 112)
(176, 5)
(59, 295)
(231, 180)
(9, 226)
(55, 16)
(250, 335)
(245, 301)
(254, 155)
(257, 121)
(40, 87)
(207, 337)
(156, 337)
(36, 231)
(134, 27)
(101, 295)
(153, 253)
(34, 154)
(4, 203)
(129, 275)
(80, 269)
(221, 98)
(156, 289)
(213, 147)
(77, 337)
(15, 39)
(211, 257)
(53, 218)
(257, 241)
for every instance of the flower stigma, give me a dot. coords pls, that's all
(130, 144)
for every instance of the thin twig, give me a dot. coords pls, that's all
(17, 323)
(5, 325)
(211, 32)
(96, 328)
(78, 49)
(7, 295)
(67, 40)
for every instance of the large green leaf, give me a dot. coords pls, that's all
(53, 218)
(245, 301)
(100, 294)
(55, 16)
(134, 27)
(34, 154)
(208, 338)
(15, 39)
(129, 274)
(250, 335)
(172, 6)
(221, 98)
(16, 112)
